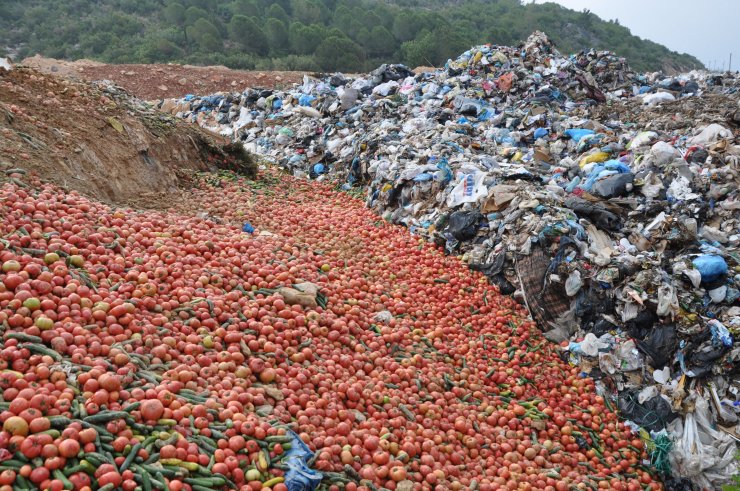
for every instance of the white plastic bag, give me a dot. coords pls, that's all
(573, 283)
(664, 153)
(667, 301)
(703, 454)
(469, 189)
(710, 134)
(657, 98)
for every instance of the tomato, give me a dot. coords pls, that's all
(80, 480)
(39, 474)
(15, 425)
(110, 478)
(69, 448)
(7, 477)
(381, 351)
(152, 409)
(88, 435)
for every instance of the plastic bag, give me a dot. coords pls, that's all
(463, 225)
(613, 186)
(577, 133)
(596, 212)
(469, 189)
(624, 358)
(710, 266)
(573, 283)
(493, 271)
(710, 134)
(590, 346)
(703, 454)
(654, 414)
(657, 98)
(300, 477)
(660, 345)
(667, 301)
(642, 138)
(663, 153)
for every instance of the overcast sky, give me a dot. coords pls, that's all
(707, 29)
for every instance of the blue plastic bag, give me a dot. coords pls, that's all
(540, 133)
(306, 100)
(710, 266)
(444, 173)
(577, 133)
(300, 477)
(720, 334)
(248, 228)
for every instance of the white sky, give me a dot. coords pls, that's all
(707, 29)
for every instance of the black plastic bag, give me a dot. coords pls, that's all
(701, 361)
(591, 304)
(677, 484)
(493, 271)
(613, 186)
(698, 156)
(640, 326)
(601, 327)
(653, 415)
(386, 73)
(596, 212)
(690, 88)
(463, 225)
(660, 345)
(337, 80)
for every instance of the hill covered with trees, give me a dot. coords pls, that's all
(347, 35)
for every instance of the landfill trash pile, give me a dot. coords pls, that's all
(605, 200)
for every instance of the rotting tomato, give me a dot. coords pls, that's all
(407, 366)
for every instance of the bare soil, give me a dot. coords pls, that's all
(98, 140)
(151, 82)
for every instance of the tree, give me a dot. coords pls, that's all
(337, 53)
(418, 51)
(159, 50)
(277, 35)
(277, 12)
(174, 13)
(248, 34)
(307, 11)
(284, 4)
(192, 14)
(305, 39)
(380, 42)
(406, 26)
(205, 36)
(249, 8)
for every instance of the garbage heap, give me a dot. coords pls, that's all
(604, 199)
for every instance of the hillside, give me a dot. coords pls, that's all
(348, 35)
(54, 128)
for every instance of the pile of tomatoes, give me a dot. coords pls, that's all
(156, 347)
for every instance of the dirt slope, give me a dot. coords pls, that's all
(164, 81)
(96, 139)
